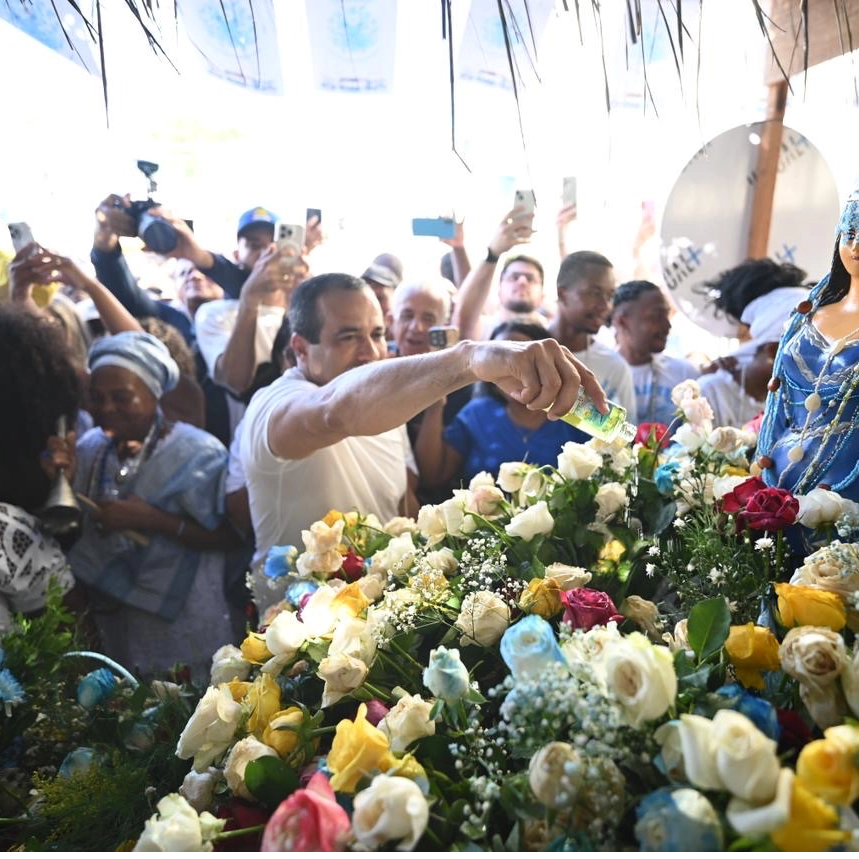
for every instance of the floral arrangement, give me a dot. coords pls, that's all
(641, 648)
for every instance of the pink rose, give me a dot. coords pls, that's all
(376, 711)
(584, 608)
(309, 819)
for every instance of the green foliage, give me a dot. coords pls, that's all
(709, 625)
(270, 780)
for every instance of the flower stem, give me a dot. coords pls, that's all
(382, 696)
(235, 833)
(318, 732)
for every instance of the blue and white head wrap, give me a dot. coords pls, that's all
(140, 353)
(850, 216)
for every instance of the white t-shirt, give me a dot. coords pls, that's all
(235, 472)
(732, 406)
(363, 473)
(214, 323)
(654, 382)
(613, 374)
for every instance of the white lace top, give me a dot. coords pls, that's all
(28, 560)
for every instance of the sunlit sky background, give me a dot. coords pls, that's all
(372, 162)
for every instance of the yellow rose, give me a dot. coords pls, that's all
(254, 649)
(332, 516)
(752, 649)
(238, 688)
(612, 551)
(349, 601)
(357, 750)
(734, 471)
(263, 701)
(281, 733)
(408, 767)
(542, 596)
(805, 606)
(813, 824)
(828, 770)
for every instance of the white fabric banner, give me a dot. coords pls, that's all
(239, 47)
(40, 21)
(483, 53)
(353, 44)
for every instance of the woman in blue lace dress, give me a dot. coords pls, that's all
(809, 435)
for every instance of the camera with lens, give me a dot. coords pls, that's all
(158, 234)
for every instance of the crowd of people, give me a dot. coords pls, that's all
(206, 430)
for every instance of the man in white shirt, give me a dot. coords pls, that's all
(330, 432)
(586, 287)
(640, 316)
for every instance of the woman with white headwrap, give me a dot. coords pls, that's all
(162, 602)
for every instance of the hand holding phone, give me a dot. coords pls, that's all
(526, 203)
(290, 242)
(569, 194)
(443, 336)
(440, 228)
(21, 234)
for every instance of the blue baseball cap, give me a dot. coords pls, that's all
(258, 215)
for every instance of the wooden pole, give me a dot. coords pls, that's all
(767, 171)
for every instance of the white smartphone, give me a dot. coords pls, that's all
(290, 239)
(525, 200)
(21, 234)
(569, 196)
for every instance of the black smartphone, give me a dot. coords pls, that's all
(314, 213)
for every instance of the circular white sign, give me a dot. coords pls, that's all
(705, 225)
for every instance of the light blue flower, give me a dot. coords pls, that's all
(297, 589)
(280, 561)
(11, 691)
(529, 647)
(78, 761)
(140, 737)
(96, 687)
(664, 477)
(676, 820)
(757, 710)
(445, 676)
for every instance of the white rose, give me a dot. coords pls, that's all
(814, 655)
(486, 501)
(699, 413)
(373, 585)
(322, 538)
(680, 639)
(688, 438)
(400, 525)
(694, 491)
(442, 560)
(818, 507)
(750, 819)
(833, 568)
(309, 563)
(391, 808)
(199, 788)
(746, 759)
(568, 577)
(456, 523)
(317, 615)
(556, 773)
(483, 618)
(241, 754)
(228, 664)
(342, 674)
(699, 752)
(578, 461)
(671, 751)
(431, 523)
(511, 475)
(396, 557)
(408, 720)
(591, 649)
(285, 635)
(482, 478)
(531, 522)
(687, 390)
(725, 439)
(534, 487)
(178, 828)
(610, 498)
(643, 613)
(353, 636)
(641, 675)
(727, 483)
(211, 728)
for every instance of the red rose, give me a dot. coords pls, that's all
(659, 431)
(736, 500)
(353, 566)
(770, 509)
(240, 814)
(794, 732)
(584, 608)
(376, 711)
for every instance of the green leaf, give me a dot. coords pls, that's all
(659, 518)
(436, 709)
(708, 627)
(688, 674)
(270, 780)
